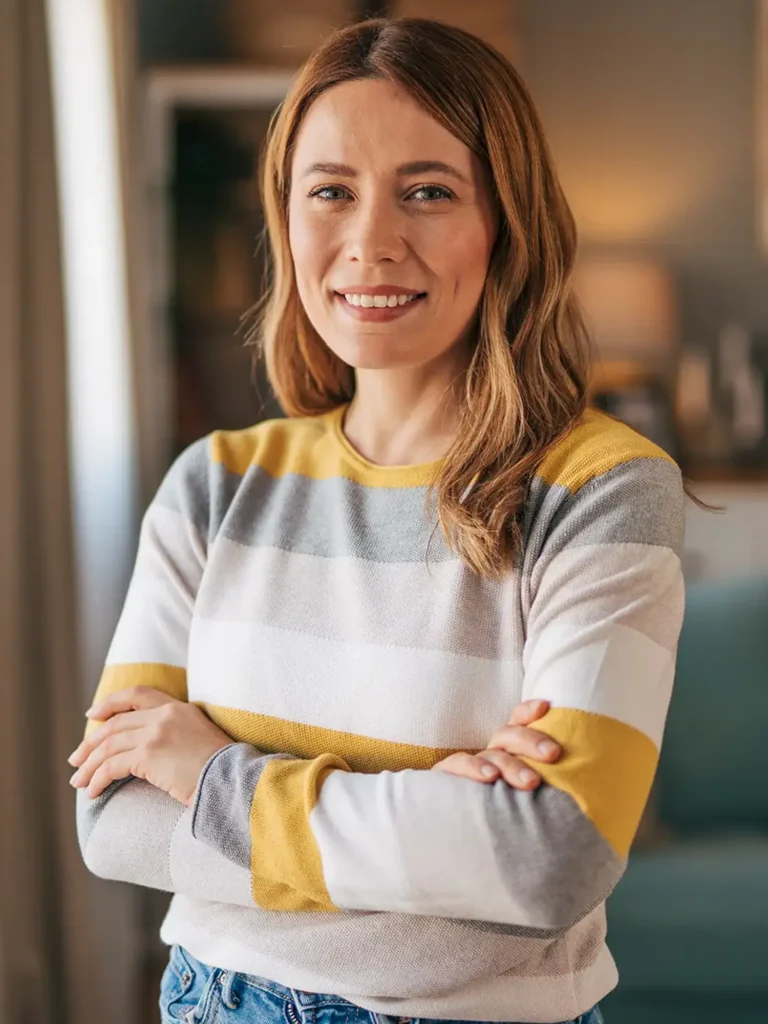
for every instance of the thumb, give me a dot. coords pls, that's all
(529, 711)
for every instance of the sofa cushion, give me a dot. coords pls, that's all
(693, 916)
(713, 768)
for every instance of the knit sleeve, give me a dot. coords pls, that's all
(605, 602)
(134, 832)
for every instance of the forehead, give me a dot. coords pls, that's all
(374, 123)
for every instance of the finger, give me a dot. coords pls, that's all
(529, 711)
(117, 743)
(512, 769)
(131, 699)
(469, 766)
(118, 723)
(525, 742)
(118, 767)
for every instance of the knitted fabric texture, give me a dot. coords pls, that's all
(302, 597)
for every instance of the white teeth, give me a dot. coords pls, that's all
(377, 301)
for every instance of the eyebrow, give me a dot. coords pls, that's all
(403, 171)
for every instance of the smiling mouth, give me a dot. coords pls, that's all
(380, 301)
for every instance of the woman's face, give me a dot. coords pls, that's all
(391, 227)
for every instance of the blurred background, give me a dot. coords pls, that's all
(129, 222)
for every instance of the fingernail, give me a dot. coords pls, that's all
(75, 779)
(547, 748)
(489, 771)
(91, 712)
(526, 776)
(73, 758)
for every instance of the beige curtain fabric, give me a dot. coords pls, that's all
(55, 965)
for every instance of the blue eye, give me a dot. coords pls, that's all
(431, 193)
(329, 193)
(424, 194)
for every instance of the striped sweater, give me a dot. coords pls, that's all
(304, 598)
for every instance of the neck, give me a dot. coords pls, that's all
(404, 417)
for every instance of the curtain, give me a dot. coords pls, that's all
(63, 934)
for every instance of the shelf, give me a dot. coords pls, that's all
(725, 473)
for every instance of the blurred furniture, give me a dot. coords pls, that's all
(688, 925)
(495, 21)
(201, 118)
(283, 35)
(630, 309)
(734, 542)
(639, 396)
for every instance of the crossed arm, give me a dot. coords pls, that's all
(173, 850)
(229, 846)
(287, 833)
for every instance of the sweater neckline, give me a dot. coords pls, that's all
(415, 473)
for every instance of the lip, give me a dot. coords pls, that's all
(378, 314)
(377, 289)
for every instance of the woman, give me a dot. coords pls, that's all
(326, 607)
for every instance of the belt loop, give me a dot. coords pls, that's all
(228, 997)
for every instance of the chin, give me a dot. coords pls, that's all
(373, 354)
(383, 363)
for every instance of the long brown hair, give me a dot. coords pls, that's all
(526, 382)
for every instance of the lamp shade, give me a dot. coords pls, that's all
(629, 307)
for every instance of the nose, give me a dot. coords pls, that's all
(375, 234)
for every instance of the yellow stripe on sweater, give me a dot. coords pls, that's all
(597, 445)
(312, 447)
(168, 678)
(286, 868)
(280, 736)
(607, 767)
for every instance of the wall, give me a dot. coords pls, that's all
(274, 32)
(649, 108)
(179, 31)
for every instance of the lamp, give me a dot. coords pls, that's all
(629, 308)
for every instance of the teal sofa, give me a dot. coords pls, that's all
(688, 923)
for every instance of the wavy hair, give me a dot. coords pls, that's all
(525, 386)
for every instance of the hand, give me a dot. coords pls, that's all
(150, 735)
(498, 760)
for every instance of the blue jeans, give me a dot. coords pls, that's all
(194, 993)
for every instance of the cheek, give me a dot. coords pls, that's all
(302, 249)
(311, 245)
(462, 261)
